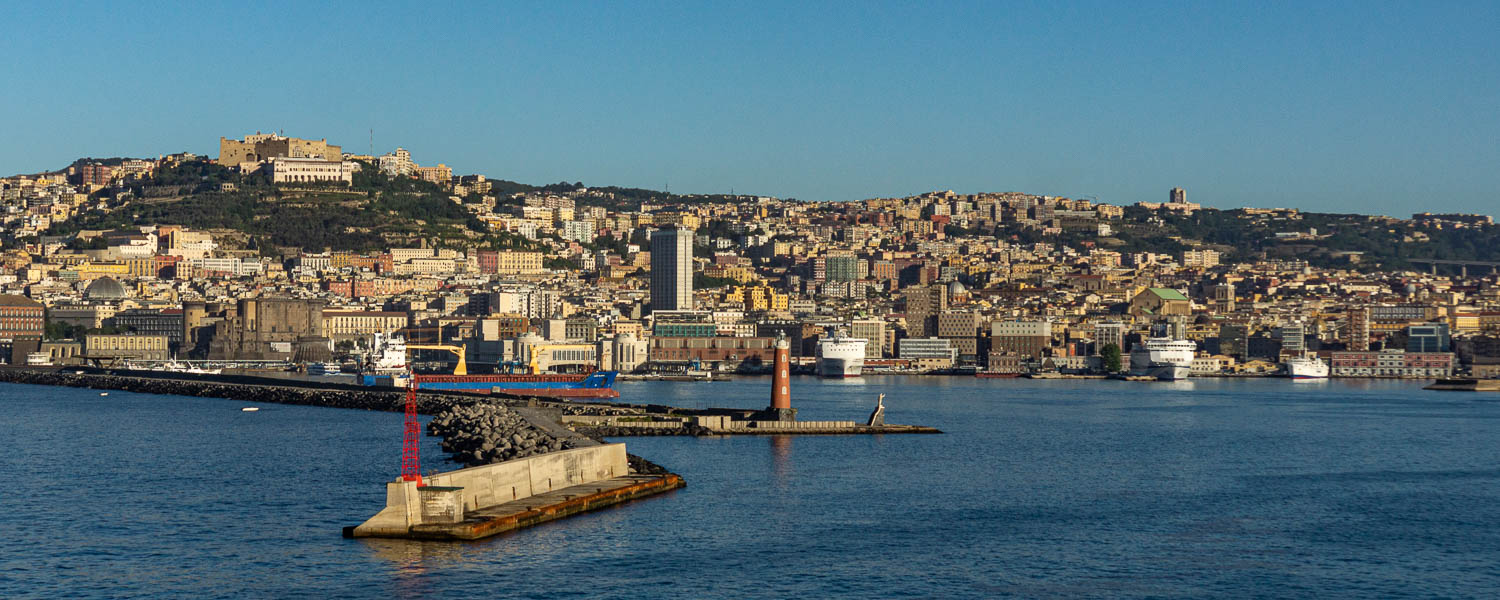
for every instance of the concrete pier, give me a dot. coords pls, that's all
(482, 501)
(1465, 385)
(722, 424)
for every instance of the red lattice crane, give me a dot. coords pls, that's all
(411, 440)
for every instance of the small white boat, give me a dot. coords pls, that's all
(103, 393)
(250, 409)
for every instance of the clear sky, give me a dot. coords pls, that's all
(1360, 107)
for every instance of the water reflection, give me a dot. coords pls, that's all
(781, 459)
(844, 381)
(411, 559)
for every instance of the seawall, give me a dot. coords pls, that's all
(244, 388)
(481, 501)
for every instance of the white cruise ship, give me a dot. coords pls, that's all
(1163, 358)
(1306, 367)
(840, 356)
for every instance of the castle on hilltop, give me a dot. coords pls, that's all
(287, 159)
(266, 146)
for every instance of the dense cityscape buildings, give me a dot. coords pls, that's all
(109, 260)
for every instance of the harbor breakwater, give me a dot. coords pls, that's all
(349, 397)
(477, 430)
(481, 434)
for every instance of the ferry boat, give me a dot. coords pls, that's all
(320, 369)
(1163, 358)
(387, 366)
(1306, 367)
(840, 356)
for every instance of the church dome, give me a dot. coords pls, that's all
(956, 289)
(104, 288)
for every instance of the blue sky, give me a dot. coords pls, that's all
(1359, 107)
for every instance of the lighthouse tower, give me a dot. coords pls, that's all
(781, 382)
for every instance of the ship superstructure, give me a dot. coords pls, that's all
(841, 356)
(1162, 357)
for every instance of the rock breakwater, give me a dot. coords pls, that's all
(356, 399)
(482, 434)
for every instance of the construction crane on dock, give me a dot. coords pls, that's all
(461, 369)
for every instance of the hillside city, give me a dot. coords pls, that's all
(284, 251)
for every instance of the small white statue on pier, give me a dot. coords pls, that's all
(877, 418)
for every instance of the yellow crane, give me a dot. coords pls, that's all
(461, 369)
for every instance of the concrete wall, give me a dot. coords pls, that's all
(488, 485)
(792, 425)
(624, 421)
(713, 422)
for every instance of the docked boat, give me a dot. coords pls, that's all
(1306, 367)
(599, 384)
(840, 356)
(173, 366)
(1163, 358)
(320, 369)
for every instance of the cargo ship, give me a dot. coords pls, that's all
(388, 366)
(599, 384)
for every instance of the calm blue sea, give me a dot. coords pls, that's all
(1212, 488)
